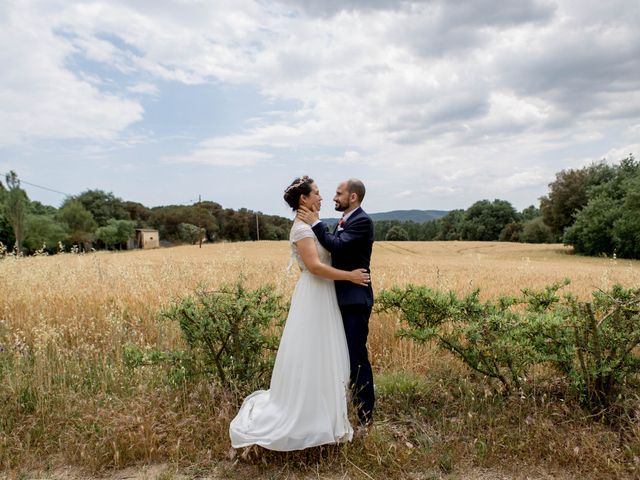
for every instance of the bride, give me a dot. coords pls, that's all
(306, 404)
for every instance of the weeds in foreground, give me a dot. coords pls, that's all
(437, 424)
(108, 415)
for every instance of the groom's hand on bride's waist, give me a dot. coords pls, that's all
(308, 216)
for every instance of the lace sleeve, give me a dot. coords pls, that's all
(300, 231)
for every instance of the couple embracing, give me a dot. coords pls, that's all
(322, 358)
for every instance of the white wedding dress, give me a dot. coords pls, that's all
(306, 404)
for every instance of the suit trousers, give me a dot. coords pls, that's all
(356, 327)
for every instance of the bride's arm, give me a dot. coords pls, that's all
(309, 254)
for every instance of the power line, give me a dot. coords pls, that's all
(188, 202)
(40, 186)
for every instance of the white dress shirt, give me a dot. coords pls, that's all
(344, 217)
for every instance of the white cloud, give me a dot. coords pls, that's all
(443, 191)
(207, 155)
(617, 154)
(525, 178)
(442, 98)
(362, 85)
(144, 89)
(39, 96)
(404, 194)
(633, 131)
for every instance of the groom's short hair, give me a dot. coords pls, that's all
(356, 186)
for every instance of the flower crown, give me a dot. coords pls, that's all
(302, 181)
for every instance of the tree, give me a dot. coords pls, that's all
(115, 233)
(138, 213)
(215, 210)
(511, 232)
(80, 223)
(167, 219)
(450, 226)
(397, 234)
(236, 226)
(592, 232)
(536, 231)
(569, 193)
(218, 223)
(102, 206)
(412, 228)
(616, 185)
(107, 235)
(16, 204)
(382, 227)
(44, 230)
(273, 227)
(429, 230)
(626, 229)
(190, 233)
(126, 230)
(6, 232)
(530, 213)
(37, 208)
(268, 231)
(484, 220)
(610, 222)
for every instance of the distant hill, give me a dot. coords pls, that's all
(417, 216)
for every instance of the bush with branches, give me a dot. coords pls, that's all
(232, 333)
(593, 345)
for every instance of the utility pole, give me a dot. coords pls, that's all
(257, 228)
(200, 232)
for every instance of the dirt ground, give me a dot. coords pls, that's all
(235, 471)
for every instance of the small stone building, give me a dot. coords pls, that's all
(147, 238)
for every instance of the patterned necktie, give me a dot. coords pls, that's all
(341, 222)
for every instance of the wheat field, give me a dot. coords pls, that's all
(73, 313)
(100, 300)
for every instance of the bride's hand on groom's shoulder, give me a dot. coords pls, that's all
(307, 215)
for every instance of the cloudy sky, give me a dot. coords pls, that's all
(434, 104)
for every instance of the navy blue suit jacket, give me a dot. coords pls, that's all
(350, 249)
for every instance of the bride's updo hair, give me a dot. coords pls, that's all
(300, 186)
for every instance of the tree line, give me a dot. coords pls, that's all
(595, 209)
(483, 221)
(100, 220)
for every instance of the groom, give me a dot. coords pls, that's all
(350, 245)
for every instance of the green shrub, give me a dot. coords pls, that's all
(232, 333)
(606, 335)
(482, 335)
(592, 345)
